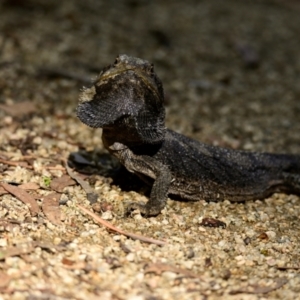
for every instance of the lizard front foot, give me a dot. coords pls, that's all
(145, 209)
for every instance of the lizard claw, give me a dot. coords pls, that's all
(145, 209)
(131, 206)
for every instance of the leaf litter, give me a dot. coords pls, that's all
(51, 209)
(58, 184)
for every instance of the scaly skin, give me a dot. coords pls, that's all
(127, 101)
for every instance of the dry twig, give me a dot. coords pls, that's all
(256, 289)
(131, 235)
(158, 268)
(90, 193)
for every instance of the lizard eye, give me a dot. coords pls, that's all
(117, 60)
(151, 69)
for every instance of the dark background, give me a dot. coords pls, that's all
(230, 68)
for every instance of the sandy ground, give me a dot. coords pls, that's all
(231, 72)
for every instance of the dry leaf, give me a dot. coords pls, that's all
(15, 251)
(4, 279)
(23, 196)
(22, 164)
(73, 265)
(49, 247)
(29, 186)
(76, 266)
(3, 191)
(24, 186)
(19, 108)
(91, 195)
(68, 262)
(58, 184)
(51, 208)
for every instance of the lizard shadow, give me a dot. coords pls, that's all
(101, 163)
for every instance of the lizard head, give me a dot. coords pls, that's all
(127, 96)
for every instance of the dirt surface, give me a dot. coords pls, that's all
(231, 72)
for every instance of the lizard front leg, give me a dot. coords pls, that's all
(148, 166)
